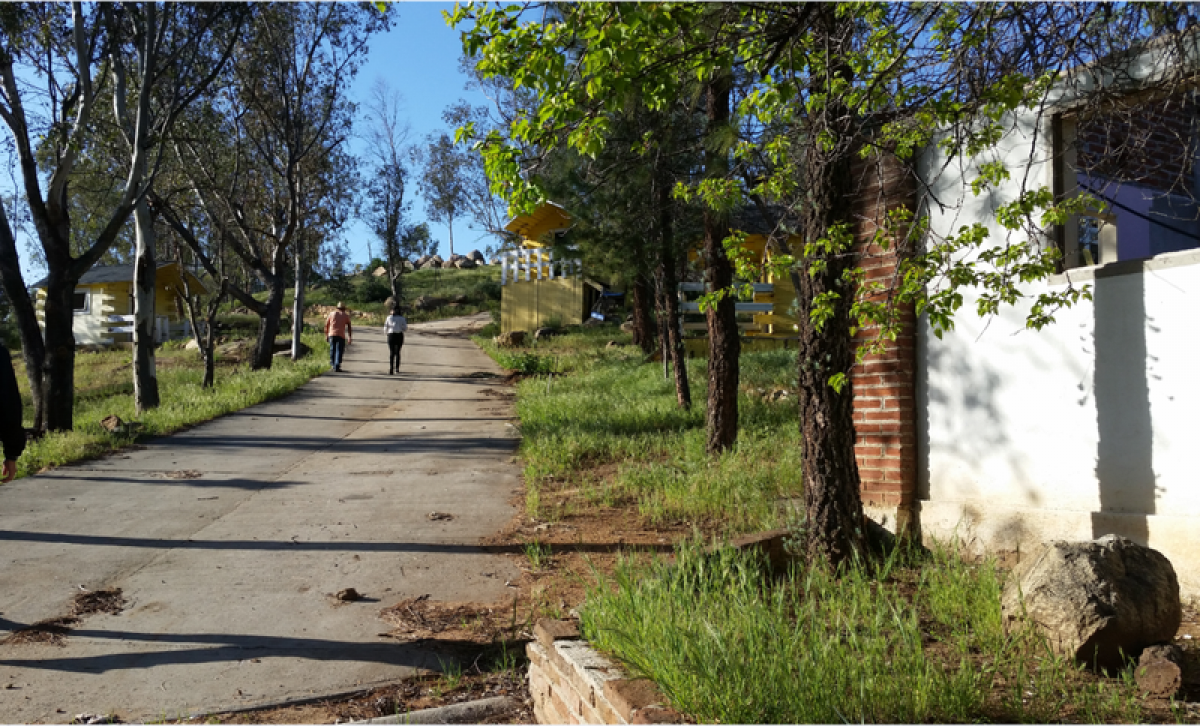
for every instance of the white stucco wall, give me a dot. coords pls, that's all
(1085, 428)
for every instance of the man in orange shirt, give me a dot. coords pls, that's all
(337, 332)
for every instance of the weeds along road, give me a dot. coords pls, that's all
(229, 541)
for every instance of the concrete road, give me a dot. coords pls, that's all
(228, 541)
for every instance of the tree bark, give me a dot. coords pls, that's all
(33, 347)
(833, 502)
(298, 302)
(268, 324)
(724, 343)
(145, 379)
(643, 328)
(59, 366)
(668, 283)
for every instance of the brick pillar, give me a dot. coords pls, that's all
(884, 383)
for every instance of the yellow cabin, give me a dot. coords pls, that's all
(104, 305)
(538, 287)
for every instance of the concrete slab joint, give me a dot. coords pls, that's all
(571, 683)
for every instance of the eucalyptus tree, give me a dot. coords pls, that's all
(175, 49)
(284, 118)
(386, 207)
(444, 167)
(829, 85)
(487, 212)
(57, 63)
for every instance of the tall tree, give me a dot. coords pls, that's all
(443, 180)
(286, 117)
(176, 50)
(70, 54)
(387, 136)
(828, 85)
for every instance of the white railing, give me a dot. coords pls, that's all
(162, 326)
(536, 264)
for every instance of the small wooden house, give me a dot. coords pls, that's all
(537, 286)
(104, 304)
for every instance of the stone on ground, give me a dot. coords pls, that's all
(1098, 602)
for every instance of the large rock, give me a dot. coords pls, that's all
(477, 256)
(379, 271)
(428, 302)
(1095, 601)
(283, 349)
(511, 339)
(466, 263)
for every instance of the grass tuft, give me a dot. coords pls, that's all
(924, 644)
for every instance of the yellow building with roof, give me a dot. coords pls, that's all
(538, 286)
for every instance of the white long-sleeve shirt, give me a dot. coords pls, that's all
(395, 324)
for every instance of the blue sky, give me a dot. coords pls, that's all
(419, 58)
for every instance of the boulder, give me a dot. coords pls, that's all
(431, 265)
(283, 349)
(511, 339)
(428, 302)
(234, 349)
(379, 271)
(438, 259)
(422, 260)
(191, 345)
(476, 256)
(1097, 602)
(466, 264)
(1160, 671)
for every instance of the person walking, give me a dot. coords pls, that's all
(12, 429)
(394, 327)
(338, 333)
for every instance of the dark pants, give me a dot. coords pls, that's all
(337, 346)
(395, 343)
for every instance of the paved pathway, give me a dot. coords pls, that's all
(227, 541)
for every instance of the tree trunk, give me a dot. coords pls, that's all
(668, 269)
(33, 347)
(268, 324)
(298, 302)
(643, 329)
(59, 366)
(833, 501)
(724, 343)
(145, 379)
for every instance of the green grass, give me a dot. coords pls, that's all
(918, 640)
(104, 387)
(608, 406)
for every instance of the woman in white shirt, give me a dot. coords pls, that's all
(394, 327)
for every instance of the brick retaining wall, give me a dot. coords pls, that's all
(572, 684)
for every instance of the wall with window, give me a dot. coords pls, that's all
(1085, 428)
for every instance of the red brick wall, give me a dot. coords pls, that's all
(884, 401)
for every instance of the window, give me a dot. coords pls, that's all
(82, 302)
(1137, 156)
